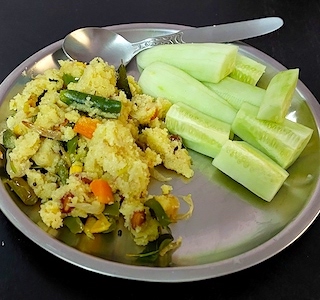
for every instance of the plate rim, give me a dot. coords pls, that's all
(284, 238)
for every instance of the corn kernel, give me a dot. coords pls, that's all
(75, 169)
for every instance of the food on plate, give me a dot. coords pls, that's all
(86, 139)
(255, 115)
(250, 167)
(235, 92)
(277, 99)
(204, 61)
(170, 82)
(247, 70)
(200, 132)
(89, 153)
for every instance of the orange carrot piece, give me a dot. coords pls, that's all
(102, 190)
(86, 126)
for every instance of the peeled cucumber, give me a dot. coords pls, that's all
(236, 92)
(247, 70)
(163, 80)
(278, 96)
(282, 142)
(198, 131)
(251, 168)
(205, 62)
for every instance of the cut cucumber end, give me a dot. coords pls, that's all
(198, 131)
(282, 142)
(278, 96)
(247, 70)
(251, 168)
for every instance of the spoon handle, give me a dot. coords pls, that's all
(174, 38)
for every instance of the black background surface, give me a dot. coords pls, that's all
(29, 272)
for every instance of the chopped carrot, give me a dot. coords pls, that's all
(86, 126)
(102, 190)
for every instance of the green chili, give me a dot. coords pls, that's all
(23, 190)
(92, 104)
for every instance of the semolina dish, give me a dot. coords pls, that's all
(89, 167)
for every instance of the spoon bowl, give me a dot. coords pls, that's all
(87, 43)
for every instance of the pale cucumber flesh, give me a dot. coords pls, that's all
(198, 131)
(281, 142)
(247, 70)
(205, 62)
(251, 168)
(278, 96)
(166, 81)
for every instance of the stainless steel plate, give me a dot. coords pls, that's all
(230, 230)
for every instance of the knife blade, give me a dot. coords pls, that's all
(231, 32)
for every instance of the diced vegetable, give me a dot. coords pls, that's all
(9, 139)
(90, 221)
(92, 104)
(102, 190)
(278, 96)
(198, 131)
(23, 190)
(86, 126)
(163, 80)
(72, 145)
(102, 224)
(251, 168)
(236, 92)
(206, 61)
(281, 142)
(74, 224)
(247, 70)
(112, 210)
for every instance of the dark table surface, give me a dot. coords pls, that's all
(29, 272)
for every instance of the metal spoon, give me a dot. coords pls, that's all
(86, 43)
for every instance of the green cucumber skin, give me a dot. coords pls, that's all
(281, 142)
(251, 168)
(205, 62)
(198, 131)
(278, 96)
(236, 92)
(166, 81)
